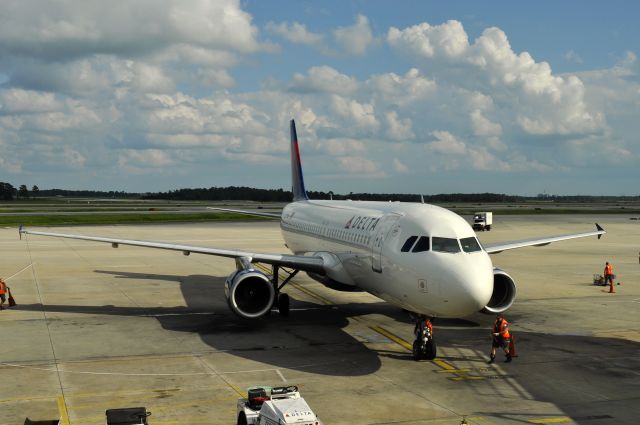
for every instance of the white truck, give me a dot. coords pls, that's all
(482, 221)
(275, 406)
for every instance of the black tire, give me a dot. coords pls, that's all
(417, 351)
(283, 305)
(242, 419)
(488, 228)
(431, 350)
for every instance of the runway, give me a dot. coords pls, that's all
(98, 328)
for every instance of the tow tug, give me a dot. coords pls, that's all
(266, 405)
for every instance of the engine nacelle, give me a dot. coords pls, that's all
(250, 293)
(504, 293)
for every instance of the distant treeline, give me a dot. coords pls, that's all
(235, 193)
(113, 194)
(242, 193)
(231, 193)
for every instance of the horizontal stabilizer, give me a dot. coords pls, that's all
(254, 213)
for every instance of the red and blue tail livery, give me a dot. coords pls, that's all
(297, 181)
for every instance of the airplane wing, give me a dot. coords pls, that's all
(503, 246)
(256, 213)
(298, 262)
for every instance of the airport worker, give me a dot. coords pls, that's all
(421, 323)
(500, 338)
(3, 291)
(608, 273)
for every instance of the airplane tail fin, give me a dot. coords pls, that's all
(297, 181)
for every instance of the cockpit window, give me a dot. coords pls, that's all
(422, 245)
(408, 244)
(445, 245)
(470, 244)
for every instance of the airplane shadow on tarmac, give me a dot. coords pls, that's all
(312, 335)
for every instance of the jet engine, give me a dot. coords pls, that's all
(250, 293)
(504, 293)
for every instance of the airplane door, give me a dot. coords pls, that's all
(382, 232)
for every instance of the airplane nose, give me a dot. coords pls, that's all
(473, 285)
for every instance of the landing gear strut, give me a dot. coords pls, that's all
(424, 346)
(282, 300)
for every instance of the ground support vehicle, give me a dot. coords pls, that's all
(275, 406)
(482, 221)
(127, 416)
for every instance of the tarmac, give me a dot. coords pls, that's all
(97, 328)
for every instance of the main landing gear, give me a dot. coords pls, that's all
(424, 346)
(282, 301)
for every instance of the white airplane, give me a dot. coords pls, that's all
(420, 257)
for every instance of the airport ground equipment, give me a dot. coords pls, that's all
(598, 279)
(30, 422)
(424, 346)
(275, 405)
(482, 221)
(127, 416)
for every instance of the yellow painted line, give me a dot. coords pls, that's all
(234, 388)
(62, 410)
(558, 420)
(320, 298)
(444, 365)
(464, 377)
(454, 371)
(392, 337)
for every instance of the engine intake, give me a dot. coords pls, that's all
(504, 293)
(250, 293)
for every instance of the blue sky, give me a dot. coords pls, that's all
(415, 97)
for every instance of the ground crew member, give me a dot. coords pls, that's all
(421, 323)
(3, 291)
(608, 274)
(501, 338)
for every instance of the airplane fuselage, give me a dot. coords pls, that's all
(420, 257)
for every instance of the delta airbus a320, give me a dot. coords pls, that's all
(420, 257)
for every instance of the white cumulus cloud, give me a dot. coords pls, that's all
(296, 33)
(324, 79)
(357, 38)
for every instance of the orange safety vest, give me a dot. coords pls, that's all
(608, 269)
(3, 287)
(502, 327)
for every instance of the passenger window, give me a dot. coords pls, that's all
(422, 245)
(408, 244)
(470, 244)
(445, 245)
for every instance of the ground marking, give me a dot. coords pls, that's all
(21, 270)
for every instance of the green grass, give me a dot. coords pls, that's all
(97, 219)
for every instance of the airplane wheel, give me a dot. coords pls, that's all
(242, 419)
(431, 350)
(283, 305)
(417, 352)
